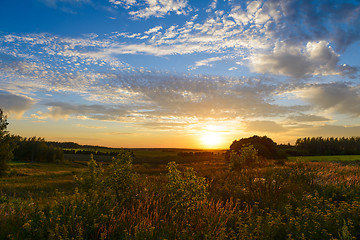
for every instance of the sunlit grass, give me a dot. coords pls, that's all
(298, 199)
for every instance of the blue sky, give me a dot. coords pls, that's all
(156, 73)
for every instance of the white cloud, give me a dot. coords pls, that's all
(212, 6)
(160, 8)
(316, 58)
(124, 3)
(153, 30)
(208, 62)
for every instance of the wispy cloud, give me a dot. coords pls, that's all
(153, 8)
(68, 6)
(264, 126)
(208, 61)
(308, 118)
(90, 127)
(15, 104)
(338, 98)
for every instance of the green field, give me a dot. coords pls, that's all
(337, 158)
(303, 198)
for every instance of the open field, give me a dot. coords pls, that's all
(39, 180)
(155, 200)
(336, 158)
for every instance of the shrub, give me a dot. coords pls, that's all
(247, 156)
(122, 179)
(92, 179)
(186, 192)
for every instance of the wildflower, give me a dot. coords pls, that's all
(27, 225)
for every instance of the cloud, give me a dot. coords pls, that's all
(264, 126)
(160, 125)
(90, 127)
(124, 3)
(63, 110)
(68, 6)
(153, 30)
(202, 96)
(147, 95)
(15, 104)
(316, 58)
(308, 118)
(308, 21)
(158, 8)
(329, 131)
(335, 97)
(212, 6)
(208, 62)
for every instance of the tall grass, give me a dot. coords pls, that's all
(292, 201)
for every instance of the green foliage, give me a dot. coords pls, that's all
(265, 146)
(121, 178)
(7, 146)
(345, 234)
(247, 156)
(92, 179)
(186, 192)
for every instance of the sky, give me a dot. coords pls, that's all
(180, 73)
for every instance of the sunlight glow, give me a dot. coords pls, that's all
(211, 139)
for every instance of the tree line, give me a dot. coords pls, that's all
(328, 146)
(315, 146)
(17, 148)
(36, 150)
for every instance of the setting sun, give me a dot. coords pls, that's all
(211, 139)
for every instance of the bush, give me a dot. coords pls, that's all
(186, 192)
(122, 179)
(246, 157)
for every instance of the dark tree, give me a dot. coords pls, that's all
(37, 150)
(328, 146)
(265, 147)
(7, 146)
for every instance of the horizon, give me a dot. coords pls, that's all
(179, 74)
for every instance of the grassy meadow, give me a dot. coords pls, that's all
(334, 158)
(147, 196)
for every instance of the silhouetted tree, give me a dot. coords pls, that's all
(37, 150)
(7, 146)
(328, 146)
(264, 146)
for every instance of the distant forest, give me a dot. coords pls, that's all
(328, 146)
(39, 150)
(314, 146)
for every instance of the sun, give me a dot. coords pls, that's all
(211, 139)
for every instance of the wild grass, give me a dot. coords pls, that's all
(38, 181)
(123, 200)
